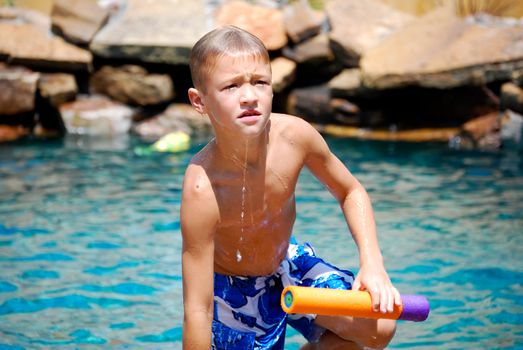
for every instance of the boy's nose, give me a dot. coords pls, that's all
(248, 95)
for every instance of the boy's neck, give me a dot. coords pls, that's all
(239, 153)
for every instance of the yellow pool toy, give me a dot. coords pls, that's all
(177, 141)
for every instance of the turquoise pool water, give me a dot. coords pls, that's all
(90, 242)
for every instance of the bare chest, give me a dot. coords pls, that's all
(255, 198)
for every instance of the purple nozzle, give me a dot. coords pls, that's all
(415, 308)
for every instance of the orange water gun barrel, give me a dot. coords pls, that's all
(325, 301)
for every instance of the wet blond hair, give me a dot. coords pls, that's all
(223, 41)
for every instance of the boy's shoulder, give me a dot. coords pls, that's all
(292, 127)
(196, 177)
(290, 122)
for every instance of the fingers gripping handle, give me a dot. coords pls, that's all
(324, 301)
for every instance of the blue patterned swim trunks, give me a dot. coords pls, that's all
(247, 311)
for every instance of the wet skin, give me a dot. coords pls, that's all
(255, 243)
(250, 168)
(238, 203)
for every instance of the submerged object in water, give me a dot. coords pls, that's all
(326, 301)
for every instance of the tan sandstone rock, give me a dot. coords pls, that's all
(132, 84)
(17, 90)
(266, 23)
(153, 31)
(283, 73)
(443, 50)
(78, 20)
(358, 26)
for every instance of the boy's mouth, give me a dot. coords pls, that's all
(249, 113)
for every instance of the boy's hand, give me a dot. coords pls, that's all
(376, 281)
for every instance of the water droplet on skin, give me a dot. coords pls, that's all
(242, 214)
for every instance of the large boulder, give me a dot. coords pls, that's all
(96, 116)
(512, 97)
(315, 50)
(12, 133)
(153, 31)
(348, 84)
(482, 133)
(57, 88)
(132, 84)
(283, 73)
(78, 20)
(28, 42)
(264, 22)
(54, 89)
(442, 50)
(17, 90)
(358, 26)
(301, 21)
(512, 128)
(177, 117)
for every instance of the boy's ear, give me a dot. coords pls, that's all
(196, 100)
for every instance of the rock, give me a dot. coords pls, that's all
(78, 20)
(54, 89)
(18, 15)
(30, 45)
(301, 21)
(177, 117)
(316, 105)
(113, 6)
(57, 88)
(442, 50)
(266, 23)
(512, 128)
(347, 83)
(315, 51)
(413, 135)
(153, 31)
(12, 133)
(96, 115)
(483, 132)
(311, 103)
(132, 84)
(17, 90)
(517, 77)
(511, 97)
(358, 26)
(283, 73)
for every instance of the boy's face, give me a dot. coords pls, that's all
(238, 95)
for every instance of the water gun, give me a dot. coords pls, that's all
(326, 301)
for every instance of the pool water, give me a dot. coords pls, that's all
(90, 242)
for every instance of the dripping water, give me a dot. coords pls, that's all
(242, 213)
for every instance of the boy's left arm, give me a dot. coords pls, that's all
(357, 209)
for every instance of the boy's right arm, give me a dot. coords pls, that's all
(198, 216)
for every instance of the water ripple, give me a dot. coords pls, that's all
(90, 243)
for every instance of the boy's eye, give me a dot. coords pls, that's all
(231, 87)
(261, 82)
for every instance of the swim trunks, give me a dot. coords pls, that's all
(247, 311)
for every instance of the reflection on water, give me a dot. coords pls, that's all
(118, 142)
(90, 243)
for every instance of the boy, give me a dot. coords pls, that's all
(238, 210)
